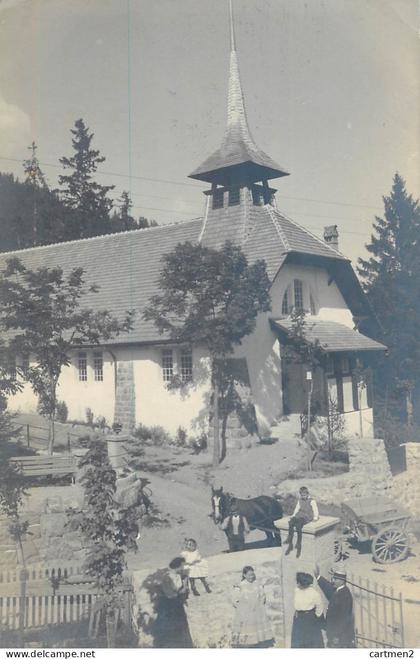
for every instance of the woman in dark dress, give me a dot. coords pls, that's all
(170, 629)
(306, 630)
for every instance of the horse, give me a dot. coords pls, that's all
(260, 512)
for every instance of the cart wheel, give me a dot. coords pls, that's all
(338, 550)
(390, 545)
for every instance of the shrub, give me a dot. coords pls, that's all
(101, 422)
(154, 435)
(393, 431)
(84, 441)
(181, 437)
(62, 411)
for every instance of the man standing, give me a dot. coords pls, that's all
(236, 527)
(339, 621)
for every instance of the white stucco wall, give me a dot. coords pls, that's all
(188, 407)
(328, 299)
(98, 396)
(158, 405)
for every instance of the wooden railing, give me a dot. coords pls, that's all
(37, 437)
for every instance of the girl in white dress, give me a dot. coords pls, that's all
(251, 627)
(196, 567)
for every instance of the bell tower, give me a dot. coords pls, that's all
(239, 171)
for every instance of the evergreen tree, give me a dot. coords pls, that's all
(20, 204)
(391, 279)
(123, 220)
(80, 192)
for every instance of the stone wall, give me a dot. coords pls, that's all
(210, 616)
(406, 486)
(125, 400)
(369, 475)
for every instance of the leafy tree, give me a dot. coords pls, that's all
(391, 280)
(13, 488)
(299, 350)
(80, 192)
(210, 297)
(43, 309)
(108, 529)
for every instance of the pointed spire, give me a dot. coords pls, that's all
(232, 27)
(238, 159)
(236, 115)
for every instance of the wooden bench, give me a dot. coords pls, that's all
(33, 466)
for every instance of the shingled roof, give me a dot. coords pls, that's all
(264, 233)
(126, 266)
(333, 337)
(238, 153)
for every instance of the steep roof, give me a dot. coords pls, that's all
(125, 266)
(264, 233)
(238, 158)
(333, 337)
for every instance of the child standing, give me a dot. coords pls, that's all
(197, 567)
(306, 511)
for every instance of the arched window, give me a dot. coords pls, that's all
(298, 295)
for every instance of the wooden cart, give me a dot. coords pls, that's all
(380, 521)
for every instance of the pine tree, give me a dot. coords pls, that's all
(122, 220)
(81, 192)
(391, 279)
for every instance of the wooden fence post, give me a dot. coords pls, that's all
(28, 437)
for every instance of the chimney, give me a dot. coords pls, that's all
(331, 236)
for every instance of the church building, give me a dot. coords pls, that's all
(128, 380)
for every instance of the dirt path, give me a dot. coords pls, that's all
(181, 490)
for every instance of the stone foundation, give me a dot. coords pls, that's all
(406, 486)
(369, 475)
(210, 616)
(125, 401)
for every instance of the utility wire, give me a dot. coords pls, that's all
(194, 185)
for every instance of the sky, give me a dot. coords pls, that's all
(331, 91)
